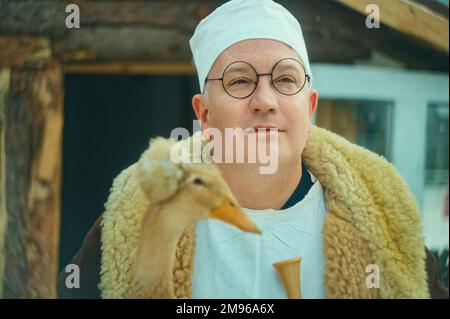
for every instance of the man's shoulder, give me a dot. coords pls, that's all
(327, 151)
(363, 182)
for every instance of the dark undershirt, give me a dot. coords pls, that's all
(302, 189)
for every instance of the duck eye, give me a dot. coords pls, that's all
(198, 181)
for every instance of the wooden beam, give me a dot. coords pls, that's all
(33, 149)
(337, 34)
(156, 32)
(47, 17)
(108, 43)
(131, 68)
(4, 87)
(409, 18)
(436, 6)
(24, 51)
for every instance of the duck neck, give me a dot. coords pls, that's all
(156, 255)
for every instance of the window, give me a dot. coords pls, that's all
(435, 204)
(366, 123)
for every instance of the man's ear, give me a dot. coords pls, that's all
(313, 102)
(201, 109)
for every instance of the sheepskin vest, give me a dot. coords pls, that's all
(372, 218)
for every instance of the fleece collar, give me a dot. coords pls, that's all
(373, 223)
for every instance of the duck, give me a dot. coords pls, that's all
(180, 194)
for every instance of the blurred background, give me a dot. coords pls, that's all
(77, 106)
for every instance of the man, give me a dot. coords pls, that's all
(345, 211)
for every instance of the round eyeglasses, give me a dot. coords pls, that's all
(240, 79)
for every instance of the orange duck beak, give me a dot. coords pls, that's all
(231, 214)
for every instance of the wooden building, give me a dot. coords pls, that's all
(125, 49)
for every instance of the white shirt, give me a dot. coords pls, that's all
(232, 264)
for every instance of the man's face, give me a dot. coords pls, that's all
(266, 106)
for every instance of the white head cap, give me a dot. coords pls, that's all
(239, 20)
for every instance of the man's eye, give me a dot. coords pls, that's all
(285, 79)
(238, 81)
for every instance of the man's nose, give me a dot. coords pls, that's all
(264, 99)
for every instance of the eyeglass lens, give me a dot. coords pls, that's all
(240, 78)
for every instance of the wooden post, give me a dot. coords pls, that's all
(24, 51)
(33, 150)
(4, 83)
